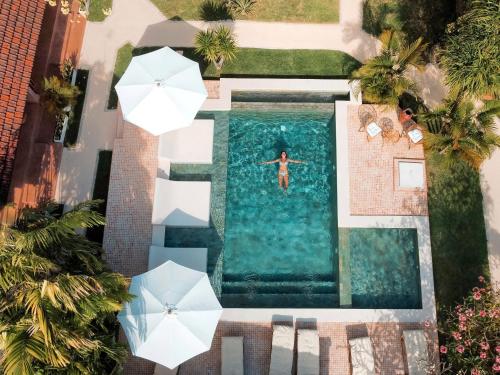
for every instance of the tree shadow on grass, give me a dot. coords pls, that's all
(458, 234)
(214, 10)
(426, 18)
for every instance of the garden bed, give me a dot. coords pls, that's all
(71, 135)
(458, 234)
(101, 186)
(254, 62)
(96, 8)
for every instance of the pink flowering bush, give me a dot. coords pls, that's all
(470, 334)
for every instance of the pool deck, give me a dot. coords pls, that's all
(128, 236)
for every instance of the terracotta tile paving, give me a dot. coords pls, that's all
(212, 87)
(130, 201)
(371, 166)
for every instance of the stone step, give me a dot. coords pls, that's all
(279, 287)
(247, 300)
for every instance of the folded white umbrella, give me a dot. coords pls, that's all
(161, 91)
(173, 316)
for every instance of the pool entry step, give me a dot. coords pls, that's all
(279, 294)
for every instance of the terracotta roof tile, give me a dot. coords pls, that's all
(19, 30)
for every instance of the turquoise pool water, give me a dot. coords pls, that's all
(384, 268)
(280, 249)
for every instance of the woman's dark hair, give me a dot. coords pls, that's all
(286, 154)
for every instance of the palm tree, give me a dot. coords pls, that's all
(461, 131)
(384, 78)
(216, 45)
(58, 96)
(57, 299)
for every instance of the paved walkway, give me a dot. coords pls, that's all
(490, 185)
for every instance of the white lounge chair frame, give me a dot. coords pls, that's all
(181, 203)
(362, 361)
(190, 145)
(416, 349)
(307, 352)
(232, 356)
(282, 350)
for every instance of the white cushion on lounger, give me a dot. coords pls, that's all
(417, 355)
(194, 258)
(190, 145)
(282, 350)
(415, 135)
(307, 352)
(232, 356)
(181, 203)
(373, 129)
(362, 361)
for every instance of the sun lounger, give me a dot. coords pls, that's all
(190, 145)
(417, 355)
(181, 203)
(307, 352)
(194, 258)
(162, 370)
(282, 350)
(362, 362)
(232, 356)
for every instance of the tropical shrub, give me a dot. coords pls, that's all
(384, 78)
(459, 130)
(471, 55)
(216, 45)
(240, 7)
(471, 334)
(57, 298)
(58, 95)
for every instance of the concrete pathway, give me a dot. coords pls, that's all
(490, 185)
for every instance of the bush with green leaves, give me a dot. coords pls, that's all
(471, 334)
(471, 55)
(383, 79)
(240, 7)
(458, 130)
(217, 45)
(57, 298)
(58, 95)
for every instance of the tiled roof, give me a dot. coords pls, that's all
(20, 23)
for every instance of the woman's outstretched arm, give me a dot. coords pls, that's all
(297, 161)
(269, 162)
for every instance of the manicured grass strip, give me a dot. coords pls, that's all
(253, 62)
(71, 135)
(95, 9)
(457, 232)
(315, 11)
(101, 186)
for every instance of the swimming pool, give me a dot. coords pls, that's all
(280, 250)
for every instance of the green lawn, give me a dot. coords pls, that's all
(426, 18)
(319, 11)
(95, 9)
(457, 232)
(255, 62)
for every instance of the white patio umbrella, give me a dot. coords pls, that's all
(173, 316)
(161, 91)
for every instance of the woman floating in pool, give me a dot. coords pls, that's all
(283, 170)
